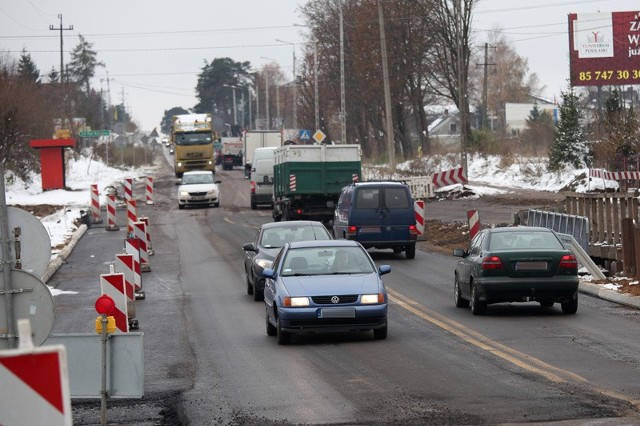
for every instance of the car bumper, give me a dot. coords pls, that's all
(504, 289)
(262, 198)
(323, 319)
(201, 201)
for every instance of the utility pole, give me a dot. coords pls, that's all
(387, 91)
(485, 115)
(315, 84)
(343, 112)
(61, 29)
(462, 112)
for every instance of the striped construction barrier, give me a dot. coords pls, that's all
(148, 193)
(474, 223)
(128, 189)
(149, 246)
(132, 215)
(125, 264)
(140, 232)
(418, 206)
(96, 215)
(449, 177)
(131, 247)
(111, 213)
(113, 285)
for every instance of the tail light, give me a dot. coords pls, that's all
(351, 231)
(569, 261)
(413, 232)
(253, 186)
(492, 262)
(299, 211)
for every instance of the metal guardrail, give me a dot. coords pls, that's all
(576, 226)
(582, 256)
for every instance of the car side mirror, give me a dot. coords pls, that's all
(218, 181)
(459, 252)
(249, 247)
(268, 273)
(384, 269)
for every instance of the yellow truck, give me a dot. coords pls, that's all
(193, 137)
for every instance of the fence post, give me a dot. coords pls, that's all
(628, 246)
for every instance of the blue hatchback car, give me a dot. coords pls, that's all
(318, 286)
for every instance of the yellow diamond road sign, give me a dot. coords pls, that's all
(319, 136)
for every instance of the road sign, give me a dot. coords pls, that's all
(94, 133)
(35, 384)
(34, 303)
(35, 244)
(305, 135)
(319, 136)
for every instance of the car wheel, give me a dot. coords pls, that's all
(258, 295)
(181, 206)
(380, 333)
(249, 286)
(477, 307)
(457, 295)
(410, 251)
(217, 204)
(271, 330)
(546, 303)
(570, 306)
(282, 336)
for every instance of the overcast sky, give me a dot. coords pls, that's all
(153, 50)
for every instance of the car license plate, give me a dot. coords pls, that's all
(346, 312)
(531, 266)
(369, 229)
(197, 198)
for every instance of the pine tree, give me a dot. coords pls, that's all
(27, 69)
(569, 146)
(83, 63)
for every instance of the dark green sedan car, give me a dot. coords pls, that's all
(516, 264)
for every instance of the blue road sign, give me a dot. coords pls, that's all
(305, 135)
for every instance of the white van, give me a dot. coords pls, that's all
(261, 179)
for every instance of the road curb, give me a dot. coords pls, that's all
(610, 295)
(59, 260)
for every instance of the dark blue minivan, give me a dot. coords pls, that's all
(377, 215)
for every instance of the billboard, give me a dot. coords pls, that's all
(604, 48)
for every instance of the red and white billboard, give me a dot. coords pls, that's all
(604, 48)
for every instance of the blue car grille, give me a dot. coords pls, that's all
(326, 300)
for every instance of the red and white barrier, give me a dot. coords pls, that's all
(113, 285)
(418, 206)
(474, 222)
(111, 214)
(292, 182)
(132, 215)
(149, 190)
(131, 247)
(599, 173)
(125, 265)
(140, 232)
(128, 189)
(149, 246)
(35, 383)
(449, 177)
(96, 215)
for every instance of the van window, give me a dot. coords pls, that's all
(367, 198)
(264, 167)
(396, 198)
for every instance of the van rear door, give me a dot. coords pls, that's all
(383, 214)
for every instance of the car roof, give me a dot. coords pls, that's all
(378, 183)
(291, 224)
(323, 243)
(519, 229)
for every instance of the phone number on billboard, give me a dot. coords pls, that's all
(608, 75)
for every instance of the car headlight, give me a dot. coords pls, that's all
(264, 263)
(184, 193)
(212, 192)
(296, 302)
(369, 299)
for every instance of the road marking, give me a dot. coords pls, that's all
(524, 361)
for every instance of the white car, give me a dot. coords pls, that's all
(198, 188)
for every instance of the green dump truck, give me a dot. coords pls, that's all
(307, 179)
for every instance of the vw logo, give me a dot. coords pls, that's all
(335, 299)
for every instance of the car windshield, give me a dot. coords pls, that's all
(197, 178)
(326, 261)
(523, 240)
(278, 237)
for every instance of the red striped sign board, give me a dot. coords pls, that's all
(149, 190)
(131, 247)
(132, 215)
(111, 214)
(140, 232)
(35, 386)
(128, 189)
(113, 285)
(474, 222)
(292, 182)
(125, 264)
(418, 206)
(599, 173)
(95, 204)
(449, 177)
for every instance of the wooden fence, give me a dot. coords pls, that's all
(605, 212)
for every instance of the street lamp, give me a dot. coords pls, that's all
(295, 85)
(277, 93)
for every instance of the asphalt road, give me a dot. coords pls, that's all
(208, 359)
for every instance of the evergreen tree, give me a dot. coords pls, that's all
(167, 118)
(538, 134)
(27, 69)
(83, 63)
(53, 75)
(569, 146)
